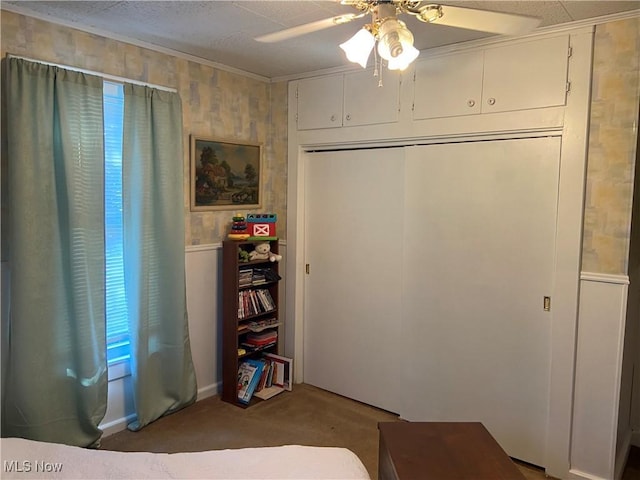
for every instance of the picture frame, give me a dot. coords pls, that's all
(225, 174)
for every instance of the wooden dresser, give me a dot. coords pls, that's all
(442, 451)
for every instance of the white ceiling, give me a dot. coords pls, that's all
(223, 31)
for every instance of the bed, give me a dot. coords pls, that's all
(23, 459)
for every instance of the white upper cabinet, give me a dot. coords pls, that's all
(526, 75)
(366, 103)
(448, 86)
(320, 102)
(521, 76)
(352, 99)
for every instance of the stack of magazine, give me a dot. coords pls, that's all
(257, 276)
(260, 340)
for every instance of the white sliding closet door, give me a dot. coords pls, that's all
(353, 232)
(479, 243)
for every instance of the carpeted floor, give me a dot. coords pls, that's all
(305, 416)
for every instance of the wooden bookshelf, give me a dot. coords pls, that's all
(260, 308)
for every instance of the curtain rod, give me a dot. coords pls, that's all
(98, 74)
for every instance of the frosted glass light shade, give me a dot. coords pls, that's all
(358, 48)
(401, 62)
(393, 38)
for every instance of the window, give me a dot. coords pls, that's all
(116, 305)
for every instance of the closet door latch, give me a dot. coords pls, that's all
(547, 304)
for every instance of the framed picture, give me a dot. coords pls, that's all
(225, 174)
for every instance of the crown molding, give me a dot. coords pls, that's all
(132, 41)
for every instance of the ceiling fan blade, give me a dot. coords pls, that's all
(486, 21)
(307, 28)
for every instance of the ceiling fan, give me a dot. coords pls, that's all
(395, 41)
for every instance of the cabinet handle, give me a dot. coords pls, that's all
(333, 118)
(491, 101)
(348, 117)
(471, 103)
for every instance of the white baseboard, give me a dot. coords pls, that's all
(116, 426)
(621, 460)
(580, 475)
(598, 377)
(209, 391)
(120, 424)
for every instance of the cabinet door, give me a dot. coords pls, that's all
(320, 102)
(526, 75)
(366, 103)
(448, 86)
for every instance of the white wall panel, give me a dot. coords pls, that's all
(204, 270)
(598, 370)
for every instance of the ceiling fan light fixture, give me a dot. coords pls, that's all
(395, 44)
(401, 62)
(358, 48)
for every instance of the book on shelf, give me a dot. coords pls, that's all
(254, 302)
(262, 324)
(256, 341)
(249, 373)
(268, 274)
(265, 299)
(276, 376)
(282, 375)
(256, 348)
(272, 367)
(268, 392)
(262, 338)
(253, 299)
(245, 276)
(266, 389)
(263, 378)
(257, 276)
(258, 325)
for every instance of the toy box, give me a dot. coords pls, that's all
(262, 226)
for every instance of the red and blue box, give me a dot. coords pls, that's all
(262, 226)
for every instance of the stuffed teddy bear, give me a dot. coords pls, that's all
(262, 251)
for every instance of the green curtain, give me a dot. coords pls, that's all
(55, 372)
(161, 365)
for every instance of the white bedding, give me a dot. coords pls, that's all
(24, 459)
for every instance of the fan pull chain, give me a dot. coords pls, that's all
(377, 72)
(376, 63)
